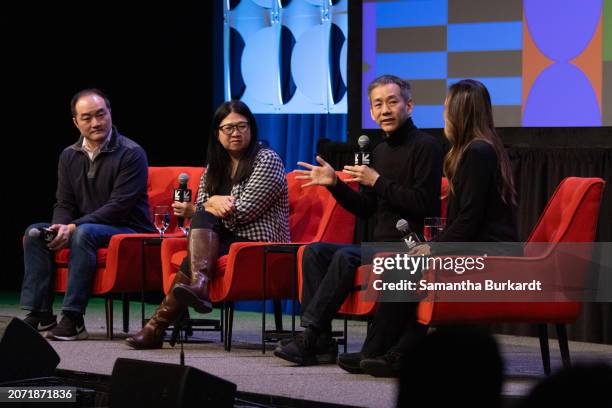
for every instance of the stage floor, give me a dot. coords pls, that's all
(259, 373)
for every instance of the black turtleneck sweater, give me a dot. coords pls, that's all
(476, 211)
(409, 162)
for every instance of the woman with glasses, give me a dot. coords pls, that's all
(243, 196)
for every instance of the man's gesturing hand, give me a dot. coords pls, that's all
(323, 175)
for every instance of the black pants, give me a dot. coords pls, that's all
(328, 276)
(393, 329)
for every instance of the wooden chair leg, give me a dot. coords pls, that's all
(108, 308)
(125, 298)
(543, 334)
(563, 345)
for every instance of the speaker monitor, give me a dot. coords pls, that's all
(150, 384)
(24, 353)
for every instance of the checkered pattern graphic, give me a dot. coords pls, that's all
(435, 43)
(262, 201)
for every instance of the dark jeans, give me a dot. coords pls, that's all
(328, 276)
(37, 291)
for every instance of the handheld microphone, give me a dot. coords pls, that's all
(410, 238)
(182, 195)
(362, 157)
(46, 234)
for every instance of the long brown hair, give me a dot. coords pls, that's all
(469, 117)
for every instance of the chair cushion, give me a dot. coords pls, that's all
(62, 257)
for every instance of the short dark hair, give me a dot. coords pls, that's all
(85, 92)
(404, 85)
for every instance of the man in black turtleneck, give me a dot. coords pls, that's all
(403, 182)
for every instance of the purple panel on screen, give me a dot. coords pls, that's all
(561, 96)
(368, 59)
(562, 28)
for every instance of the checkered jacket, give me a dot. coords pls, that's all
(261, 201)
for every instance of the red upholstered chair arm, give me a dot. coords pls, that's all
(124, 264)
(550, 304)
(170, 247)
(244, 264)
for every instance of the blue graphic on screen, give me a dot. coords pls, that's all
(544, 61)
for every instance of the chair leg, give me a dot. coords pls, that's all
(225, 324)
(230, 326)
(563, 345)
(543, 334)
(108, 309)
(345, 333)
(222, 321)
(125, 298)
(278, 315)
(230, 323)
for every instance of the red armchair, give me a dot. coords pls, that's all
(314, 215)
(570, 217)
(119, 266)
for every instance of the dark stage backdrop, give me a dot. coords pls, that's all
(153, 59)
(541, 158)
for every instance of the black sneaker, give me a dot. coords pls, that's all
(307, 348)
(69, 328)
(350, 362)
(388, 365)
(41, 321)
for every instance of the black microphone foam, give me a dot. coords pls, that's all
(182, 195)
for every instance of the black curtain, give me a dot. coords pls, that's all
(541, 158)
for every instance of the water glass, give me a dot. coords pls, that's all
(161, 218)
(433, 227)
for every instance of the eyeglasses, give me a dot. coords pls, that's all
(229, 128)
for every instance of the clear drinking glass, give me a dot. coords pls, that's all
(161, 218)
(433, 227)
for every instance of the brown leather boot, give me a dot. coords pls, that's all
(151, 336)
(203, 253)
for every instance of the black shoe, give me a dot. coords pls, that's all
(350, 362)
(388, 365)
(307, 348)
(283, 342)
(41, 321)
(71, 327)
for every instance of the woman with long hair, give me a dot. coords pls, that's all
(482, 196)
(481, 208)
(243, 196)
